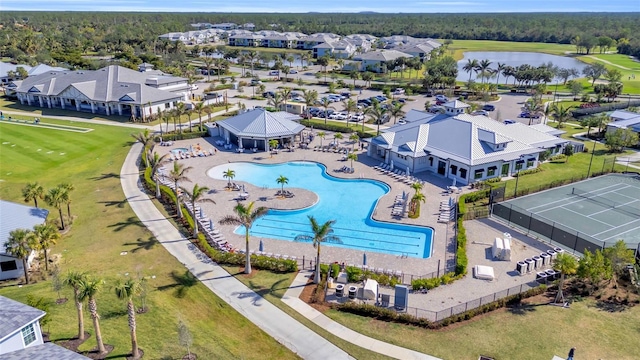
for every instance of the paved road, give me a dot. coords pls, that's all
(295, 336)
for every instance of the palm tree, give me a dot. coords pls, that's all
(219, 63)
(326, 104)
(252, 56)
(245, 216)
(470, 66)
(68, 188)
(310, 98)
(305, 56)
(55, 198)
(338, 136)
(415, 200)
(417, 187)
(377, 113)
(321, 135)
(208, 61)
(566, 265)
(561, 114)
(534, 106)
(276, 101)
(354, 75)
(44, 236)
(195, 196)
(156, 162)
(88, 290)
(74, 279)
(229, 175)
(354, 138)
(352, 156)
(282, 180)
(483, 69)
(126, 291)
(178, 173)
(499, 70)
(396, 111)
(33, 191)
(145, 138)
(19, 245)
(273, 144)
(199, 108)
(321, 233)
(349, 106)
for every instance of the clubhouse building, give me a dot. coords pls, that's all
(463, 147)
(112, 90)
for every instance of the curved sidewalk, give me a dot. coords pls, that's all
(286, 330)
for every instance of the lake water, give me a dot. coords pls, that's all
(515, 59)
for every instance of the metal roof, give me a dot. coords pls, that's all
(17, 216)
(382, 55)
(260, 123)
(16, 315)
(46, 351)
(109, 84)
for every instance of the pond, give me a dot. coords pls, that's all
(515, 59)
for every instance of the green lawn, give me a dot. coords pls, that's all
(536, 332)
(460, 46)
(631, 86)
(273, 286)
(620, 59)
(104, 227)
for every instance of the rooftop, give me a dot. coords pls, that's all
(15, 315)
(260, 123)
(46, 351)
(18, 216)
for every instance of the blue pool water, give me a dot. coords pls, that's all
(349, 202)
(176, 151)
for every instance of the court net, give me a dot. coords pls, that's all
(591, 196)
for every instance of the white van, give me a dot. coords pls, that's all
(274, 73)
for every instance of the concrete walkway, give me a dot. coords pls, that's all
(75, 119)
(292, 298)
(282, 327)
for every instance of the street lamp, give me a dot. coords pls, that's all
(515, 192)
(593, 151)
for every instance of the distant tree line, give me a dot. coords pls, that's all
(63, 37)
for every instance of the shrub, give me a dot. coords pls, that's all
(494, 180)
(558, 157)
(354, 274)
(528, 171)
(335, 270)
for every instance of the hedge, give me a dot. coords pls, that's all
(432, 283)
(528, 171)
(355, 274)
(258, 261)
(336, 128)
(184, 135)
(386, 314)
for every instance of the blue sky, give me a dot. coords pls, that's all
(385, 6)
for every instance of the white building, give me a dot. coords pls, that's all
(112, 90)
(16, 216)
(374, 61)
(462, 147)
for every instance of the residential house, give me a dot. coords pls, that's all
(112, 90)
(308, 42)
(21, 335)
(225, 26)
(174, 36)
(248, 26)
(421, 50)
(463, 147)
(375, 60)
(16, 216)
(280, 41)
(624, 119)
(9, 71)
(362, 42)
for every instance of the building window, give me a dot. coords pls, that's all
(478, 173)
(28, 334)
(530, 162)
(463, 173)
(8, 265)
(431, 161)
(491, 170)
(519, 164)
(454, 170)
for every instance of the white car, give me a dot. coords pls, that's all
(297, 98)
(441, 97)
(356, 117)
(398, 91)
(293, 71)
(338, 116)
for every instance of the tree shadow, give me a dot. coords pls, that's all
(182, 283)
(119, 204)
(111, 314)
(105, 176)
(131, 221)
(523, 309)
(611, 307)
(141, 244)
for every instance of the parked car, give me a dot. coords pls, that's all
(429, 93)
(356, 117)
(488, 107)
(440, 102)
(274, 73)
(297, 98)
(293, 71)
(507, 122)
(436, 108)
(255, 82)
(345, 94)
(338, 116)
(526, 114)
(441, 98)
(269, 94)
(398, 91)
(480, 112)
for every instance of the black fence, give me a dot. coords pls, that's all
(541, 227)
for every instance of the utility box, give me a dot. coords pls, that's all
(401, 301)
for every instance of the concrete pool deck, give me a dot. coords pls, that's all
(434, 189)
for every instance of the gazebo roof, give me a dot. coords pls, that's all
(259, 123)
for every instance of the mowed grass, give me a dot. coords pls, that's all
(536, 332)
(620, 60)
(458, 47)
(105, 226)
(630, 84)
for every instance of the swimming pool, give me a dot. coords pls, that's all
(348, 201)
(177, 151)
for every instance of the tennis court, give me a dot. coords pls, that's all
(590, 214)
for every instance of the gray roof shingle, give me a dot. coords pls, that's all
(259, 123)
(46, 351)
(17, 216)
(15, 315)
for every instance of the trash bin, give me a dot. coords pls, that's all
(339, 290)
(530, 264)
(352, 292)
(538, 262)
(521, 267)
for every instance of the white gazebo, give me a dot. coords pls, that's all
(254, 128)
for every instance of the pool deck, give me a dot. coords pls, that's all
(434, 189)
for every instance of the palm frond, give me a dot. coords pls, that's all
(303, 238)
(230, 220)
